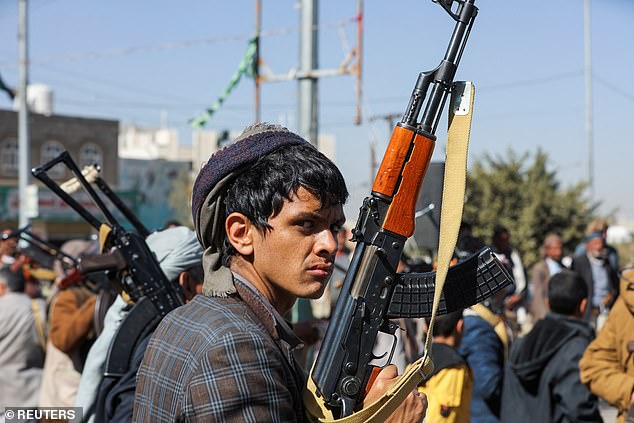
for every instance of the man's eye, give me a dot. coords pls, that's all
(306, 224)
(336, 228)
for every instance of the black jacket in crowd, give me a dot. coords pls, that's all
(541, 377)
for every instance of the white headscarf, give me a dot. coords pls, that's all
(176, 249)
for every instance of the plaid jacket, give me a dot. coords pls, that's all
(220, 359)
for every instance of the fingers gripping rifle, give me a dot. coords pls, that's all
(372, 292)
(124, 251)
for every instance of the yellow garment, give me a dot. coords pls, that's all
(607, 366)
(449, 395)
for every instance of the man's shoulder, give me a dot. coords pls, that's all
(209, 342)
(574, 346)
(14, 302)
(207, 319)
(205, 326)
(540, 266)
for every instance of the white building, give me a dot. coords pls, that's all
(151, 144)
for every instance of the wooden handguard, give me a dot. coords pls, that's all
(401, 176)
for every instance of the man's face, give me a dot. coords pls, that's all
(554, 250)
(295, 258)
(595, 246)
(8, 247)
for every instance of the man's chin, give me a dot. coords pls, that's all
(317, 292)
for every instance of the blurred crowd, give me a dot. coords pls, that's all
(530, 353)
(65, 338)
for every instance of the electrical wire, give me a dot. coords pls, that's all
(171, 45)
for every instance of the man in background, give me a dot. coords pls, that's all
(8, 248)
(607, 366)
(602, 279)
(541, 378)
(449, 388)
(542, 271)
(22, 325)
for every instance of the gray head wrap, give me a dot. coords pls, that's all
(176, 249)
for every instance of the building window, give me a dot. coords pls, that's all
(9, 163)
(90, 154)
(50, 150)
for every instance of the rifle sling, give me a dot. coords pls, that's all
(142, 319)
(460, 113)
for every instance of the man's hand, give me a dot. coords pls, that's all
(411, 410)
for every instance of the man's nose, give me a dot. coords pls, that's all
(326, 242)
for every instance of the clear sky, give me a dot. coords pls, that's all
(132, 60)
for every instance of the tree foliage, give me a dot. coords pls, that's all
(522, 194)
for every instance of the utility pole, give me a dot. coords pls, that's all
(308, 72)
(589, 117)
(256, 77)
(23, 116)
(308, 110)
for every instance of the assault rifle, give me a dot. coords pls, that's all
(123, 251)
(372, 291)
(97, 282)
(42, 245)
(68, 262)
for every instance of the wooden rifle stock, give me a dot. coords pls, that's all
(401, 175)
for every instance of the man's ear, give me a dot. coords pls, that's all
(460, 326)
(185, 281)
(582, 306)
(240, 233)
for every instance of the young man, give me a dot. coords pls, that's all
(267, 209)
(541, 379)
(450, 385)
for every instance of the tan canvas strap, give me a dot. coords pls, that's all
(451, 215)
(460, 114)
(498, 324)
(35, 307)
(104, 232)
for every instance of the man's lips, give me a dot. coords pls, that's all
(324, 269)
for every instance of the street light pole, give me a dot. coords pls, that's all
(23, 116)
(589, 117)
(308, 110)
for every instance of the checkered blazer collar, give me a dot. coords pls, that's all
(266, 313)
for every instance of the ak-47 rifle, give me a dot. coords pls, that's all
(68, 262)
(372, 291)
(123, 251)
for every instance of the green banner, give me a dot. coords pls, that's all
(247, 67)
(3, 87)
